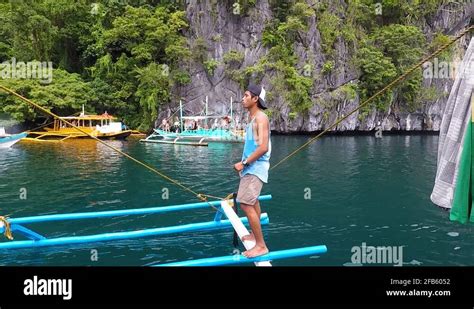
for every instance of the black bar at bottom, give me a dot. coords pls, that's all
(310, 285)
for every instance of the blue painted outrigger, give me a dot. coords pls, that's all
(35, 240)
(6, 141)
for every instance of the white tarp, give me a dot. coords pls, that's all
(456, 118)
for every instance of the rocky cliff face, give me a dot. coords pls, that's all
(223, 31)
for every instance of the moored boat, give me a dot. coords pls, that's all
(200, 132)
(102, 126)
(8, 140)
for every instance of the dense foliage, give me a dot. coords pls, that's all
(110, 55)
(126, 56)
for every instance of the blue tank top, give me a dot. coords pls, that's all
(260, 167)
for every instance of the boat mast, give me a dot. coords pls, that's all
(231, 117)
(206, 113)
(181, 115)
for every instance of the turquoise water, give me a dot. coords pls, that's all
(363, 190)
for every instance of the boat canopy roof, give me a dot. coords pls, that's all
(204, 117)
(90, 117)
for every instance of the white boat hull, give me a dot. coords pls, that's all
(8, 141)
(224, 137)
(7, 144)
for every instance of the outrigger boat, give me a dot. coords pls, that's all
(11, 226)
(200, 136)
(101, 126)
(8, 140)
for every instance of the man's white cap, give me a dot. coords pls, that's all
(260, 92)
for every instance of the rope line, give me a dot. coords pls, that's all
(6, 227)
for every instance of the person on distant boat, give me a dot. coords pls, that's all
(162, 124)
(225, 122)
(254, 166)
(176, 127)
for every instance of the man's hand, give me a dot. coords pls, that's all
(238, 166)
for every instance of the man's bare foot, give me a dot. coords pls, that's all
(250, 237)
(256, 251)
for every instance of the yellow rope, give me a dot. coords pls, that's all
(217, 197)
(7, 228)
(393, 83)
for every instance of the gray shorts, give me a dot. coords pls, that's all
(249, 189)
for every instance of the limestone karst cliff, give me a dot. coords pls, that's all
(232, 42)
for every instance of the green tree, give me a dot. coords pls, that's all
(153, 86)
(33, 33)
(65, 95)
(377, 71)
(404, 46)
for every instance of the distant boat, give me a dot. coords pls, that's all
(199, 136)
(7, 140)
(101, 126)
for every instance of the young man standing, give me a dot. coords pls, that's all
(254, 166)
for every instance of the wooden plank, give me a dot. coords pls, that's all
(240, 228)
